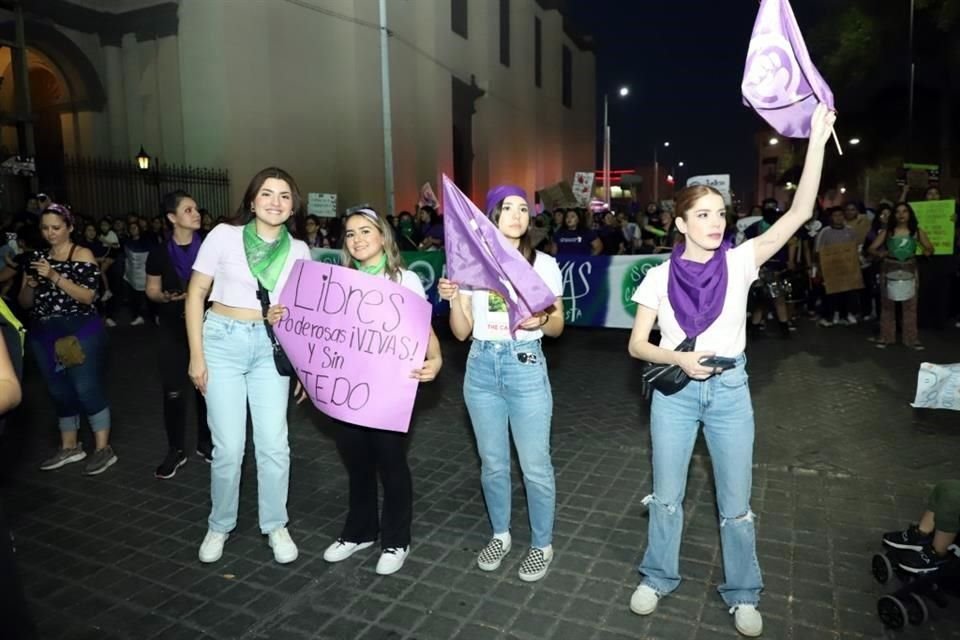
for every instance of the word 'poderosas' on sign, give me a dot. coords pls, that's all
(354, 340)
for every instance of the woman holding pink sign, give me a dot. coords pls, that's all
(232, 361)
(369, 246)
(507, 390)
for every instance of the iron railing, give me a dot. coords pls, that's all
(98, 187)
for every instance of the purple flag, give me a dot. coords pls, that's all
(779, 79)
(480, 257)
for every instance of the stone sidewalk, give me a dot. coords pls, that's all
(840, 458)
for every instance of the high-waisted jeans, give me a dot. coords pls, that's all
(722, 403)
(240, 369)
(507, 390)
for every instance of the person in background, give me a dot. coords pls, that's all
(871, 275)
(432, 229)
(315, 237)
(631, 232)
(507, 390)
(611, 236)
(156, 234)
(924, 547)
(406, 236)
(897, 247)
(91, 240)
(575, 239)
(169, 267)
(68, 340)
(206, 222)
(136, 248)
(837, 307)
(241, 267)
(371, 453)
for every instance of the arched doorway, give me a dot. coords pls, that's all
(47, 95)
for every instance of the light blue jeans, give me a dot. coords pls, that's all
(722, 403)
(240, 370)
(507, 390)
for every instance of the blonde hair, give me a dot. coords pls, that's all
(395, 263)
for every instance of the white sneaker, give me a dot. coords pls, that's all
(825, 323)
(391, 560)
(747, 620)
(106, 295)
(644, 600)
(136, 322)
(851, 319)
(836, 317)
(110, 322)
(341, 549)
(284, 550)
(211, 549)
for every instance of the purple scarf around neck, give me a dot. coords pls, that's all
(183, 257)
(697, 291)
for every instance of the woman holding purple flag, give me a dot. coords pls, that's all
(169, 267)
(700, 294)
(507, 390)
(369, 246)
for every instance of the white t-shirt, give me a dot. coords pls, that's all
(490, 318)
(222, 257)
(727, 336)
(410, 280)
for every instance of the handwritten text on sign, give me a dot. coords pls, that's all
(354, 339)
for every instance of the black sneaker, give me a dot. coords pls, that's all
(911, 538)
(168, 468)
(924, 561)
(205, 452)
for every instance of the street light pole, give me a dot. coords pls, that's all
(913, 72)
(606, 151)
(656, 172)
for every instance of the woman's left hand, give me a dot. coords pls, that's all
(538, 321)
(43, 269)
(429, 371)
(275, 314)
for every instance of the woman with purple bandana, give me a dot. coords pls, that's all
(507, 391)
(169, 267)
(701, 294)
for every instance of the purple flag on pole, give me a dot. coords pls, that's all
(779, 79)
(480, 257)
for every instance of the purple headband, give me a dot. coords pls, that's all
(502, 192)
(60, 210)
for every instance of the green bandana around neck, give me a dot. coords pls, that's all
(265, 259)
(374, 269)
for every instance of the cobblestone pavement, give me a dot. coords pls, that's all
(840, 458)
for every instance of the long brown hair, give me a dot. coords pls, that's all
(526, 247)
(245, 214)
(395, 263)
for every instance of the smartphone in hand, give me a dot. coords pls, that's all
(719, 362)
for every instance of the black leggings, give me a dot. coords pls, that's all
(366, 454)
(176, 384)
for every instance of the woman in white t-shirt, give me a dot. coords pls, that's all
(701, 293)
(369, 246)
(507, 391)
(231, 356)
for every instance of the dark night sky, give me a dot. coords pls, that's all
(683, 61)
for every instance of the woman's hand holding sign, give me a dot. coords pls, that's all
(275, 314)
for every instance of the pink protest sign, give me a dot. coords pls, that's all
(354, 339)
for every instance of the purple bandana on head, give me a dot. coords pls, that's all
(500, 193)
(779, 79)
(697, 291)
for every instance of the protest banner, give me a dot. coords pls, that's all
(840, 264)
(937, 218)
(720, 182)
(583, 187)
(427, 197)
(322, 204)
(354, 339)
(938, 387)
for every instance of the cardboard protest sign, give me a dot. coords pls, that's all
(937, 218)
(558, 196)
(322, 204)
(938, 387)
(720, 182)
(354, 339)
(583, 187)
(840, 264)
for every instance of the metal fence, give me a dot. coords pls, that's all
(99, 187)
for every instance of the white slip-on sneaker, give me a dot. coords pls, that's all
(284, 550)
(391, 560)
(341, 549)
(211, 549)
(747, 620)
(644, 600)
(536, 564)
(492, 555)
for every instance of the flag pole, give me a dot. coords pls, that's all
(834, 132)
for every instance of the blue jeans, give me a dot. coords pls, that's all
(240, 369)
(77, 389)
(722, 404)
(505, 395)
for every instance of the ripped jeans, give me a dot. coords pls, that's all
(723, 405)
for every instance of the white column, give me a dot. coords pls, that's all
(116, 103)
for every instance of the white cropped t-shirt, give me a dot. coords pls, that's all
(727, 336)
(222, 257)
